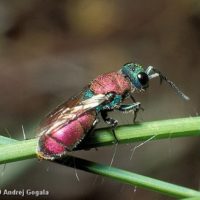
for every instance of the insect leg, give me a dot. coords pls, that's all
(132, 98)
(110, 121)
(129, 107)
(135, 107)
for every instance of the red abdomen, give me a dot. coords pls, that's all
(66, 138)
(110, 82)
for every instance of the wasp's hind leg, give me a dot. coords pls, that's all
(110, 121)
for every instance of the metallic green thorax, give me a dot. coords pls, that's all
(131, 70)
(88, 94)
(109, 106)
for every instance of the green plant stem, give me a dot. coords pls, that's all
(12, 150)
(121, 175)
(21, 150)
(129, 177)
(162, 129)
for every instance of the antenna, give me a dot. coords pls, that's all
(157, 73)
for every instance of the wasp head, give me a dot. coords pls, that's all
(140, 77)
(136, 74)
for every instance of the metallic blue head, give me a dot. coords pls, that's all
(136, 74)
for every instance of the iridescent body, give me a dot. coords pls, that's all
(68, 136)
(113, 82)
(63, 129)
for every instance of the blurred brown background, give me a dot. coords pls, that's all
(49, 50)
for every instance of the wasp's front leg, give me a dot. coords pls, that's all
(135, 107)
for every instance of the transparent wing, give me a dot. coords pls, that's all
(69, 111)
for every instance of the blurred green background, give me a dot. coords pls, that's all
(49, 50)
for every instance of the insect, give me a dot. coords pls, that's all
(64, 128)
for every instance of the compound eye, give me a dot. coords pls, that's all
(143, 79)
